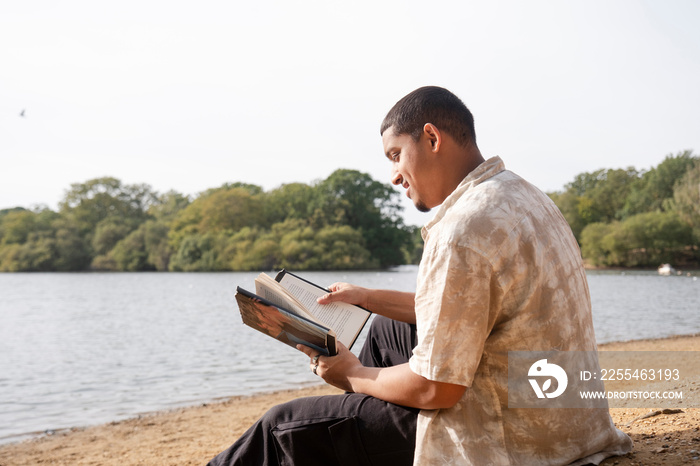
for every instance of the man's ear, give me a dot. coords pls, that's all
(433, 136)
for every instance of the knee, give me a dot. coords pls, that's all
(380, 324)
(384, 328)
(278, 414)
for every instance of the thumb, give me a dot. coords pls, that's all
(333, 294)
(326, 298)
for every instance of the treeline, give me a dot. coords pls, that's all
(632, 218)
(620, 217)
(347, 221)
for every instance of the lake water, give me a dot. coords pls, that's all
(88, 348)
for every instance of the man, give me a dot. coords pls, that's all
(500, 272)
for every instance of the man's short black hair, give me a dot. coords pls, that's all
(431, 104)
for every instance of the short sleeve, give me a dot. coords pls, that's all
(455, 295)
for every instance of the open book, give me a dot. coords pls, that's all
(285, 308)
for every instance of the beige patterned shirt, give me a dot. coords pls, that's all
(501, 271)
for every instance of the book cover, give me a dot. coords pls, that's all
(284, 325)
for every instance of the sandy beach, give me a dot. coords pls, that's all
(192, 436)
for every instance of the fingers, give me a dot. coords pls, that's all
(327, 298)
(336, 286)
(310, 352)
(314, 355)
(337, 293)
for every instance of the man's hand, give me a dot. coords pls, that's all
(346, 293)
(395, 384)
(333, 369)
(397, 305)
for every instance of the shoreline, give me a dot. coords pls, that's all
(646, 341)
(193, 435)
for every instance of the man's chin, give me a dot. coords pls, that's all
(421, 207)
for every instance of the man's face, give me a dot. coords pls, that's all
(410, 167)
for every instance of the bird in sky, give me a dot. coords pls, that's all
(21, 113)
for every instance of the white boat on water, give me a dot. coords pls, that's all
(666, 269)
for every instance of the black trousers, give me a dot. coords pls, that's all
(350, 429)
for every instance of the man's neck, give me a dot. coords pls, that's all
(465, 161)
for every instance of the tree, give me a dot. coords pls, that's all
(346, 221)
(686, 199)
(100, 198)
(593, 248)
(595, 197)
(601, 194)
(16, 225)
(166, 206)
(342, 248)
(27, 241)
(647, 239)
(237, 251)
(157, 247)
(200, 252)
(414, 251)
(130, 253)
(655, 188)
(349, 197)
(231, 210)
(108, 232)
(221, 210)
(574, 210)
(294, 200)
(299, 249)
(71, 249)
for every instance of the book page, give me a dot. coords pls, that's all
(345, 319)
(268, 288)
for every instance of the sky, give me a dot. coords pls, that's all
(187, 96)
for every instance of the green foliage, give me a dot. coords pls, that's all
(593, 245)
(414, 251)
(576, 209)
(595, 197)
(621, 217)
(157, 247)
(629, 218)
(167, 205)
(71, 249)
(130, 253)
(341, 247)
(220, 210)
(686, 199)
(40, 241)
(95, 200)
(600, 196)
(289, 201)
(654, 189)
(647, 239)
(347, 221)
(239, 252)
(108, 233)
(352, 198)
(198, 252)
(16, 226)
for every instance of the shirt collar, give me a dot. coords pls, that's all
(483, 172)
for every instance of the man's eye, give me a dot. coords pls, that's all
(395, 157)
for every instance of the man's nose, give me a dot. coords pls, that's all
(396, 177)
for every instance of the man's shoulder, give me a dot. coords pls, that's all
(492, 212)
(503, 199)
